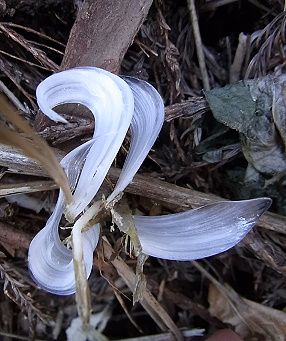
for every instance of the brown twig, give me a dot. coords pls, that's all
(171, 196)
(191, 107)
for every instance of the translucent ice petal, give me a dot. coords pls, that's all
(145, 126)
(200, 232)
(111, 101)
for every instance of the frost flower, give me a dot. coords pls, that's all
(120, 103)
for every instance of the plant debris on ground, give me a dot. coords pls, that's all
(224, 135)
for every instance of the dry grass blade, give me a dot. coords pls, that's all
(269, 45)
(32, 145)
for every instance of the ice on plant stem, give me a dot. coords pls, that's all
(117, 105)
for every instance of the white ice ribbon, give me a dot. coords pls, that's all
(111, 100)
(117, 104)
(201, 232)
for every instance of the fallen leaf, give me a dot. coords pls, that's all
(256, 109)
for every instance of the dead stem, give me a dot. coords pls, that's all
(169, 195)
(199, 45)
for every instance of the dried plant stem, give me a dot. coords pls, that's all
(171, 196)
(199, 45)
(18, 337)
(27, 187)
(28, 29)
(39, 55)
(235, 68)
(82, 293)
(24, 61)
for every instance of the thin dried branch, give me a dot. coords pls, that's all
(171, 196)
(12, 98)
(25, 61)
